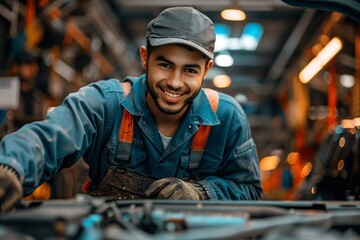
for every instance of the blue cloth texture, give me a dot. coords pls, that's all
(87, 125)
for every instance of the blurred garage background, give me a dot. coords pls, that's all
(303, 122)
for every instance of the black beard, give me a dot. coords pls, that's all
(167, 111)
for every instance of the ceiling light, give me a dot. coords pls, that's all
(356, 122)
(221, 43)
(222, 29)
(233, 14)
(241, 98)
(222, 32)
(251, 36)
(249, 39)
(222, 81)
(323, 57)
(347, 123)
(249, 43)
(347, 80)
(224, 59)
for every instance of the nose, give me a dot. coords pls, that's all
(175, 80)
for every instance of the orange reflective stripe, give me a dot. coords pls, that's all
(126, 130)
(126, 87)
(199, 141)
(213, 97)
(201, 136)
(127, 124)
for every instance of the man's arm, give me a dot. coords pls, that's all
(40, 149)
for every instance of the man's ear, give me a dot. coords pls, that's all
(208, 67)
(144, 57)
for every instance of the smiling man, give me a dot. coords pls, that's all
(174, 76)
(165, 138)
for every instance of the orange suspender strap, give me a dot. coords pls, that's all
(127, 125)
(201, 136)
(126, 130)
(198, 144)
(125, 136)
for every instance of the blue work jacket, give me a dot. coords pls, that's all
(87, 125)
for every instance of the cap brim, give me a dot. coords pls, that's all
(164, 41)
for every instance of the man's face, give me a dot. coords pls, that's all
(174, 77)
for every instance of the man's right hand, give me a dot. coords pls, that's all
(10, 188)
(173, 189)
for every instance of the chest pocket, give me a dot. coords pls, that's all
(207, 167)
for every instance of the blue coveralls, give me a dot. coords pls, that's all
(87, 124)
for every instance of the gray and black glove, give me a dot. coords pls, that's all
(10, 188)
(176, 189)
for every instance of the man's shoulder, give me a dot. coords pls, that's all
(228, 100)
(229, 105)
(108, 82)
(114, 84)
(107, 85)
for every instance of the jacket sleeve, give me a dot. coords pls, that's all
(238, 176)
(40, 149)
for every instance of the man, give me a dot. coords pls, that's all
(168, 106)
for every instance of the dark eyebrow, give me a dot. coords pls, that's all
(162, 58)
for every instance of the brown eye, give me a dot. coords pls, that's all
(165, 65)
(190, 70)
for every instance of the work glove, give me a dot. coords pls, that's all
(175, 189)
(10, 188)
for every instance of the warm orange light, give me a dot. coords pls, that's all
(356, 122)
(222, 81)
(342, 142)
(341, 164)
(313, 190)
(323, 57)
(348, 123)
(233, 14)
(269, 163)
(306, 170)
(293, 157)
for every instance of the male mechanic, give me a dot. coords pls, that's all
(168, 105)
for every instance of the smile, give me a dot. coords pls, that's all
(172, 95)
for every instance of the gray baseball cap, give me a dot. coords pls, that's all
(183, 25)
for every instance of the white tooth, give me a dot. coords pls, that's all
(172, 94)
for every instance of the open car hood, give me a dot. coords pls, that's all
(350, 8)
